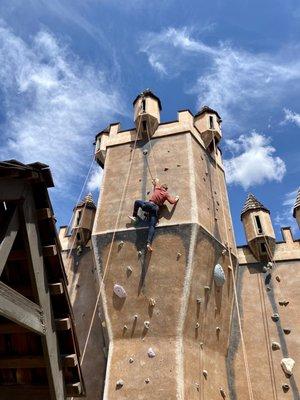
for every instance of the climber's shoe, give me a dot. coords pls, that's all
(149, 248)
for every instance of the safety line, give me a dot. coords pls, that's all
(249, 384)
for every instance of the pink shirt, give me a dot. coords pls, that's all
(160, 195)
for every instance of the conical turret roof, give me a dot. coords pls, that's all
(87, 202)
(297, 203)
(251, 204)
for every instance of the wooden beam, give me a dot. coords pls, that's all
(13, 362)
(44, 213)
(56, 288)
(62, 324)
(8, 241)
(49, 251)
(74, 389)
(11, 327)
(49, 341)
(70, 360)
(25, 392)
(19, 309)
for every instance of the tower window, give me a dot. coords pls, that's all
(211, 122)
(144, 126)
(144, 105)
(78, 237)
(258, 225)
(78, 217)
(263, 248)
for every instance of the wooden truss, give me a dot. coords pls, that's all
(39, 356)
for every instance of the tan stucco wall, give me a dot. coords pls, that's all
(173, 282)
(260, 330)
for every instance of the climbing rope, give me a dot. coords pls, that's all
(245, 357)
(111, 244)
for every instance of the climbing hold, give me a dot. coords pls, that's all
(151, 353)
(275, 346)
(120, 291)
(147, 324)
(199, 300)
(270, 265)
(275, 317)
(287, 365)
(145, 152)
(219, 275)
(287, 331)
(119, 384)
(222, 392)
(147, 380)
(205, 373)
(121, 244)
(129, 269)
(178, 255)
(131, 360)
(218, 329)
(265, 269)
(135, 317)
(277, 278)
(139, 253)
(197, 386)
(268, 289)
(166, 169)
(125, 327)
(151, 302)
(285, 387)
(206, 288)
(224, 251)
(197, 326)
(283, 303)
(178, 165)
(201, 345)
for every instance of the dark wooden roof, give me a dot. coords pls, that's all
(39, 353)
(206, 109)
(252, 204)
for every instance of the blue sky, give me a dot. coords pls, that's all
(69, 67)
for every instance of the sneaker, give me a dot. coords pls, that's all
(133, 219)
(149, 247)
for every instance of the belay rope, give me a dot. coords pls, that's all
(111, 244)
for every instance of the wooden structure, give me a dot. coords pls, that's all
(39, 356)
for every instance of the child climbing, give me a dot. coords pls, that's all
(159, 196)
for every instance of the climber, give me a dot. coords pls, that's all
(159, 196)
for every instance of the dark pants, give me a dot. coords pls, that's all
(152, 210)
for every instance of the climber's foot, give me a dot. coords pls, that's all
(132, 218)
(149, 248)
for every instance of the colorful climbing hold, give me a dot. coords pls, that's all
(147, 324)
(219, 275)
(119, 384)
(275, 317)
(275, 346)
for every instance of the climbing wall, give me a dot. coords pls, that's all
(269, 300)
(167, 321)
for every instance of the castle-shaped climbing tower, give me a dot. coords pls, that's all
(167, 314)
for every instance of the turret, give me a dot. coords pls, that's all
(258, 229)
(296, 211)
(147, 109)
(83, 219)
(208, 123)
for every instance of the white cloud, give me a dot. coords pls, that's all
(54, 104)
(285, 216)
(94, 182)
(253, 161)
(291, 116)
(227, 78)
